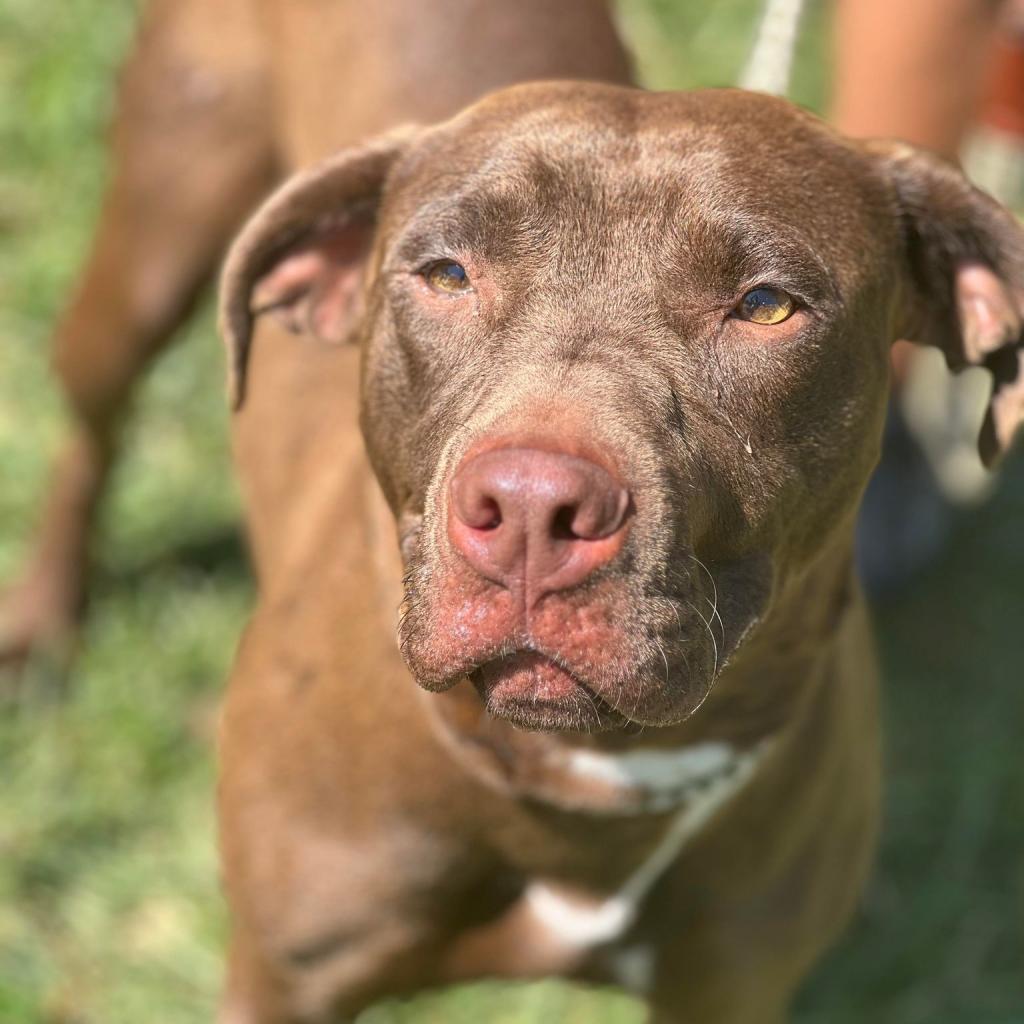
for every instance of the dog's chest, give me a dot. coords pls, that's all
(687, 787)
(636, 811)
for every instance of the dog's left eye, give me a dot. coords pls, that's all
(446, 276)
(766, 306)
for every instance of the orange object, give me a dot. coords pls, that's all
(1002, 106)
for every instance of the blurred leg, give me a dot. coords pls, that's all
(190, 156)
(911, 70)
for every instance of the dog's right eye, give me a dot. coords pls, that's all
(766, 306)
(446, 276)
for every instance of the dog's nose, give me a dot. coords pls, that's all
(541, 520)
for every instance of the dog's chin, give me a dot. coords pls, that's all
(533, 692)
(542, 693)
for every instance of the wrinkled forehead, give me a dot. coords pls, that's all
(600, 161)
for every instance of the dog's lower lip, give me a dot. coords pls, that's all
(527, 675)
(535, 692)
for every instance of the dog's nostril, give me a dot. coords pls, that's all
(489, 515)
(599, 515)
(563, 523)
(477, 510)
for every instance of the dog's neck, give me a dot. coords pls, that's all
(585, 774)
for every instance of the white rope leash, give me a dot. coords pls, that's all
(770, 65)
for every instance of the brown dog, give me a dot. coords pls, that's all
(624, 366)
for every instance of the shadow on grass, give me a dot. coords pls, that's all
(940, 938)
(220, 551)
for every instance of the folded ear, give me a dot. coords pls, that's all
(964, 270)
(302, 255)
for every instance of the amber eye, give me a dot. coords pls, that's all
(446, 276)
(766, 306)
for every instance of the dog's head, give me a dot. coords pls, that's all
(625, 367)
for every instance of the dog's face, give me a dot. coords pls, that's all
(602, 277)
(625, 369)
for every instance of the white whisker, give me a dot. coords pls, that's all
(714, 603)
(711, 633)
(664, 658)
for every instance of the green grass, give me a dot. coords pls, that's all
(109, 905)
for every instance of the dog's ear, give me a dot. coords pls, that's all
(964, 279)
(301, 256)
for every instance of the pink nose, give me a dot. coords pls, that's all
(535, 519)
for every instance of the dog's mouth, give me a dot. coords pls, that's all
(613, 652)
(588, 660)
(533, 691)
